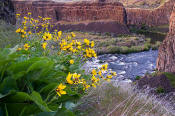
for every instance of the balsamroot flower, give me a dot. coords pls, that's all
(71, 61)
(26, 46)
(73, 34)
(47, 36)
(44, 45)
(68, 78)
(87, 42)
(94, 72)
(60, 90)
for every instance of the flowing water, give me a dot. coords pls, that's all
(127, 66)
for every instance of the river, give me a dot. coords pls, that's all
(127, 66)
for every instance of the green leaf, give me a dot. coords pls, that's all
(22, 109)
(64, 112)
(48, 88)
(19, 97)
(38, 100)
(38, 65)
(46, 114)
(7, 85)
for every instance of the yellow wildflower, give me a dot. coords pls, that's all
(23, 36)
(29, 13)
(60, 90)
(29, 32)
(18, 30)
(18, 14)
(92, 44)
(76, 78)
(87, 42)
(104, 67)
(94, 79)
(114, 73)
(68, 78)
(44, 45)
(47, 36)
(71, 61)
(73, 34)
(26, 18)
(109, 76)
(26, 46)
(86, 87)
(19, 49)
(94, 72)
(100, 73)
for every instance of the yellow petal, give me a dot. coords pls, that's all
(63, 92)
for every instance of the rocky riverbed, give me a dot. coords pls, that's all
(127, 66)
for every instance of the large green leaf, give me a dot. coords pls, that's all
(19, 97)
(38, 100)
(64, 112)
(7, 85)
(48, 88)
(21, 109)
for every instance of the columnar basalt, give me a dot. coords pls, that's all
(150, 17)
(73, 12)
(86, 12)
(166, 58)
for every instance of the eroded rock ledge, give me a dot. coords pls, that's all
(166, 58)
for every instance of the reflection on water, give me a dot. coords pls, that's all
(154, 36)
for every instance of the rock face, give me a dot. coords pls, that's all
(88, 13)
(7, 11)
(155, 17)
(166, 58)
(73, 12)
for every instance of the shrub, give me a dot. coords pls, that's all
(160, 90)
(137, 77)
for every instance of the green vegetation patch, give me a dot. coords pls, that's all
(111, 43)
(171, 77)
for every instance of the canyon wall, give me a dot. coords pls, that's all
(150, 17)
(166, 57)
(82, 15)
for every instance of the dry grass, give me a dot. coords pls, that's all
(119, 99)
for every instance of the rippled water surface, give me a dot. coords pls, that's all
(128, 66)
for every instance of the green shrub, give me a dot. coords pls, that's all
(160, 90)
(137, 78)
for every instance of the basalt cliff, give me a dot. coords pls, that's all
(166, 58)
(150, 17)
(99, 16)
(84, 16)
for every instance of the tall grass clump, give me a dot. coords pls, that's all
(42, 74)
(8, 35)
(121, 99)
